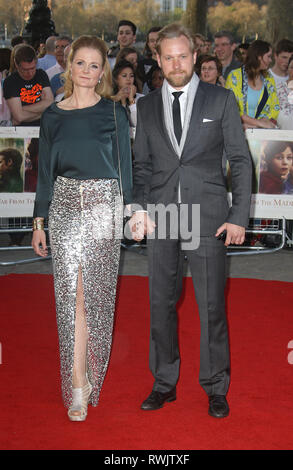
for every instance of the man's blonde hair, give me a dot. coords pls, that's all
(172, 31)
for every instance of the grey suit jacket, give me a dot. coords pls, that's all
(215, 126)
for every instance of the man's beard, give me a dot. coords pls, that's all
(180, 80)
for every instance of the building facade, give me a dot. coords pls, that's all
(170, 5)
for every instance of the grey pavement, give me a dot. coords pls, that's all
(270, 266)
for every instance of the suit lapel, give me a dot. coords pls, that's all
(196, 118)
(160, 121)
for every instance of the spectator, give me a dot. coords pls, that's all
(131, 55)
(150, 57)
(126, 37)
(17, 40)
(49, 59)
(27, 90)
(285, 95)
(10, 165)
(199, 43)
(241, 52)
(5, 116)
(283, 52)
(60, 65)
(211, 70)
(57, 82)
(124, 87)
(255, 89)
(224, 50)
(155, 79)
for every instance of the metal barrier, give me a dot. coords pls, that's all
(21, 225)
(261, 228)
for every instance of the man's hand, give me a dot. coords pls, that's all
(140, 225)
(235, 234)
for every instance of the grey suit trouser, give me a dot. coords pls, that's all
(208, 269)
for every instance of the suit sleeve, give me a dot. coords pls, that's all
(239, 158)
(142, 170)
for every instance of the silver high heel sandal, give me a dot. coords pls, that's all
(80, 402)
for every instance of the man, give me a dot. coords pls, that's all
(49, 59)
(60, 65)
(182, 166)
(57, 85)
(27, 90)
(224, 50)
(282, 54)
(126, 37)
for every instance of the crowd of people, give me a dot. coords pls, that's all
(263, 92)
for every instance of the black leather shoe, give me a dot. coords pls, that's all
(219, 407)
(156, 400)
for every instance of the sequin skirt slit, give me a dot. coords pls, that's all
(85, 222)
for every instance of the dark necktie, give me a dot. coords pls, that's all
(177, 116)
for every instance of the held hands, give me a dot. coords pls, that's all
(141, 225)
(39, 243)
(235, 234)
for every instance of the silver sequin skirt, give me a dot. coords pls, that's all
(85, 224)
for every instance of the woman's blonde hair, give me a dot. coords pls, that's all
(104, 88)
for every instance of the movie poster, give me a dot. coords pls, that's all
(19, 148)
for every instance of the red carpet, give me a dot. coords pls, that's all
(260, 396)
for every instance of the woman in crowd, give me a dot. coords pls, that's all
(150, 57)
(124, 87)
(210, 70)
(285, 95)
(131, 55)
(84, 151)
(278, 161)
(255, 89)
(155, 79)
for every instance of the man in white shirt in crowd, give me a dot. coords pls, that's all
(224, 49)
(126, 37)
(283, 52)
(60, 44)
(49, 59)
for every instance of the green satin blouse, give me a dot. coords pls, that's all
(82, 144)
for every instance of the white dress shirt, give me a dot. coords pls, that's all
(182, 100)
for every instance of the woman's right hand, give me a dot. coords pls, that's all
(39, 243)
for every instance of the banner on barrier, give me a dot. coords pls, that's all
(19, 149)
(272, 188)
(271, 151)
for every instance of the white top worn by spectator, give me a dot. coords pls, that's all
(278, 78)
(285, 95)
(54, 70)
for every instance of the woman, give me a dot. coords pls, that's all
(131, 55)
(255, 89)
(285, 95)
(150, 57)
(278, 161)
(81, 145)
(124, 87)
(211, 70)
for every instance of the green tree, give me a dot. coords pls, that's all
(279, 20)
(196, 16)
(243, 18)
